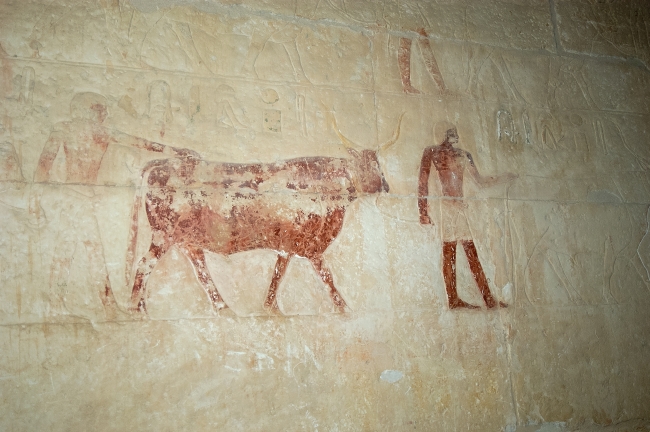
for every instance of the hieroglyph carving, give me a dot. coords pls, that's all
(505, 126)
(404, 62)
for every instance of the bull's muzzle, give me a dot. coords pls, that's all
(384, 185)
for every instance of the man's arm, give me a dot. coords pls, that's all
(487, 181)
(423, 186)
(125, 139)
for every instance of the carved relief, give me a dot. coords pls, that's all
(451, 164)
(229, 116)
(282, 33)
(300, 114)
(194, 103)
(160, 108)
(10, 169)
(220, 207)
(487, 65)
(505, 126)
(24, 84)
(404, 62)
(82, 143)
(272, 121)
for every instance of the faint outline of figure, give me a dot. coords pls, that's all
(277, 32)
(487, 60)
(24, 85)
(160, 108)
(10, 169)
(226, 117)
(550, 131)
(404, 62)
(451, 163)
(576, 137)
(84, 141)
(566, 77)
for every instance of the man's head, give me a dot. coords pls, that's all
(451, 136)
(89, 106)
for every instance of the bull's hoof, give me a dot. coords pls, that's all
(272, 309)
(217, 300)
(218, 306)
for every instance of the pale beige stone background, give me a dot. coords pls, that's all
(556, 91)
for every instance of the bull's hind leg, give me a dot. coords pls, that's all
(326, 276)
(271, 301)
(197, 257)
(145, 266)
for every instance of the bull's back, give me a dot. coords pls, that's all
(296, 206)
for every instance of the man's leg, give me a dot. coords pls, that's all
(404, 61)
(479, 275)
(430, 60)
(449, 274)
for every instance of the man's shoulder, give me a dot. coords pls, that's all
(432, 149)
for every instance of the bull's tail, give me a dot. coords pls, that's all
(133, 237)
(133, 230)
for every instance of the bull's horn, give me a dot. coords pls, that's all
(346, 142)
(395, 136)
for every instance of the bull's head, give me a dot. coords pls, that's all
(369, 176)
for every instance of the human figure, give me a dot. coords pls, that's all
(404, 61)
(84, 142)
(451, 164)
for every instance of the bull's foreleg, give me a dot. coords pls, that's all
(145, 266)
(271, 301)
(326, 276)
(197, 257)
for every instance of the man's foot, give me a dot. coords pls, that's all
(409, 89)
(493, 304)
(458, 303)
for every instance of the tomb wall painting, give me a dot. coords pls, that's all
(288, 197)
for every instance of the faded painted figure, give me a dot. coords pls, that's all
(82, 143)
(451, 163)
(295, 207)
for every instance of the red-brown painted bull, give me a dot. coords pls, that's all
(295, 207)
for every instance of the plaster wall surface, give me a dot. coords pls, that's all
(326, 215)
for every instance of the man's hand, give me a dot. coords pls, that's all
(425, 220)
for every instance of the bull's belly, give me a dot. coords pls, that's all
(248, 228)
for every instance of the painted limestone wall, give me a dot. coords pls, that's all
(324, 215)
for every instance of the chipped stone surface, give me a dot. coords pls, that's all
(324, 215)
